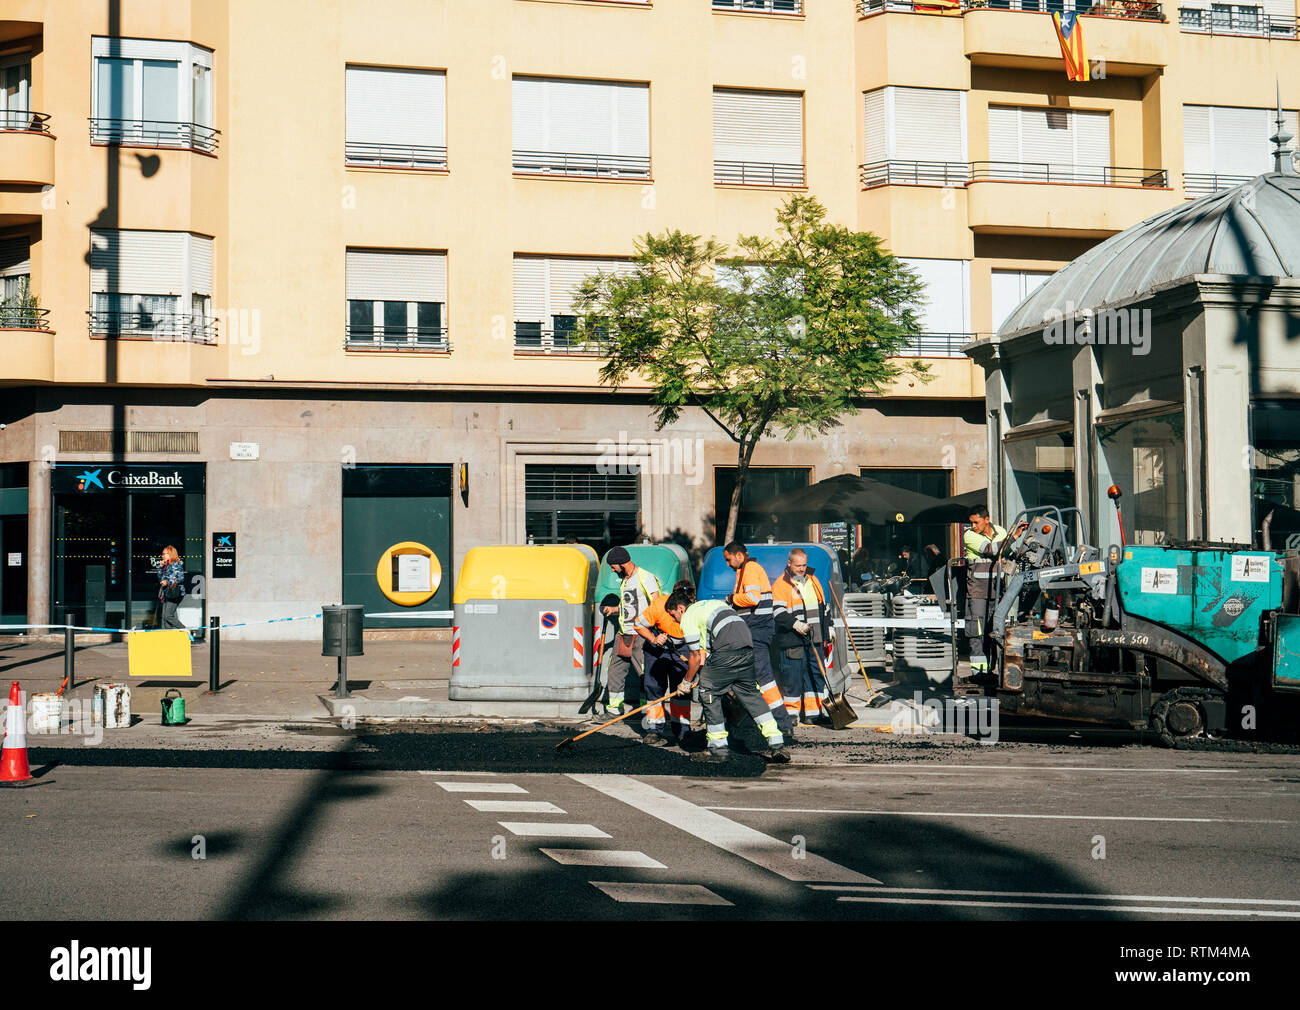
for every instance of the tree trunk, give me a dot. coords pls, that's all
(744, 453)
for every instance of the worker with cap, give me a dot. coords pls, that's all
(637, 588)
(803, 624)
(665, 666)
(752, 600)
(981, 543)
(721, 660)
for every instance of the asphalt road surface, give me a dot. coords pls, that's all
(455, 824)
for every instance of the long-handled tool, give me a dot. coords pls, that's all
(648, 704)
(862, 667)
(837, 706)
(598, 674)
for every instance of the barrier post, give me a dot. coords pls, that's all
(69, 656)
(214, 655)
(342, 690)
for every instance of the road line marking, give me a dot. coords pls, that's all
(661, 894)
(951, 813)
(760, 849)
(1076, 908)
(482, 787)
(1054, 894)
(1041, 768)
(604, 857)
(553, 830)
(423, 772)
(514, 806)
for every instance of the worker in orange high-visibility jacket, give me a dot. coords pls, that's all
(803, 623)
(752, 600)
(665, 665)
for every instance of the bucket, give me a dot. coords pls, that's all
(173, 709)
(47, 713)
(114, 705)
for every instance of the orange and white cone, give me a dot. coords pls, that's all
(13, 758)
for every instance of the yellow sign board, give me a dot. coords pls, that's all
(408, 573)
(1090, 568)
(159, 654)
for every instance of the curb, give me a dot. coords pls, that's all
(360, 707)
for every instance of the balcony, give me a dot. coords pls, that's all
(26, 149)
(580, 166)
(936, 345)
(759, 6)
(1006, 35)
(154, 133)
(418, 339)
(753, 173)
(1204, 183)
(1035, 198)
(532, 339)
(160, 326)
(1074, 175)
(1252, 22)
(362, 155)
(1137, 10)
(23, 318)
(914, 173)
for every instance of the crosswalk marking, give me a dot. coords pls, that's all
(424, 772)
(661, 894)
(993, 815)
(482, 787)
(514, 806)
(604, 857)
(762, 850)
(1063, 895)
(553, 830)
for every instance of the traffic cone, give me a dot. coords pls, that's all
(13, 758)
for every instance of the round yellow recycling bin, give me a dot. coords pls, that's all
(408, 573)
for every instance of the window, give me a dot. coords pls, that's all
(761, 484)
(150, 93)
(1145, 458)
(544, 288)
(396, 118)
(945, 317)
(17, 308)
(154, 284)
(760, 6)
(396, 300)
(757, 138)
(577, 503)
(15, 94)
(1223, 147)
(1039, 471)
(1010, 288)
(1275, 477)
(885, 541)
(1049, 145)
(914, 136)
(1272, 18)
(580, 128)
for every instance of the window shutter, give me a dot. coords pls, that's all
(530, 289)
(1046, 137)
(875, 141)
(1092, 138)
(631, 119)
(927, 125)
(581, 117)
(15, 257)
(568, 272)
(200, 265)
(396, 276)
(947, 308)
(140, 49)
(1197, 149)
(758, 126)
(528, 114)
(1004, 134)
(398, 107)
(1241, 140)
(1010, 288)
(138, 262)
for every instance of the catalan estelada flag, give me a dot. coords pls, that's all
(1069, 32)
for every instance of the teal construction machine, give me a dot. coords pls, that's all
(1189, 640)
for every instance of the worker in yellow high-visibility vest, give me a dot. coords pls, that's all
(981, 544)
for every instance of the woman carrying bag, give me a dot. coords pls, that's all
(171, 587)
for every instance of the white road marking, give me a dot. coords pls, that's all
(661, 894)
(952, 813)
(762, 850)
(935, 769)
(423, 772)
(1053, 894)
(1075, 908)
(482, 787)
(604, 857)
(553, 830)
(515, 806)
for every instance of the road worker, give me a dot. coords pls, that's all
(752, 600)
(803, 624)
(665, 666)
(982, 543)
(637, 589)
(721, 660)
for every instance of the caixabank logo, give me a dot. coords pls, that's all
(89, 480)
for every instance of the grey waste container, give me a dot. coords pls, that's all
(341, 629)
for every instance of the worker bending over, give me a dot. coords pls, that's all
(712, 629)
(665, 667)
(803, 624)
(752, 600)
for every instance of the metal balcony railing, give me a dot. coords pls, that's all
(24, 318)
(760, 6)
(1204, 183)
(559, 163)
(182, 327)
(1251, 22)
(365, 155)
(1088, 175)
(20, 121)
(914, 173)
(531, 340)
(154, 133)
(1141, 10)
(937, 345)
(397, 338)
(756, 173)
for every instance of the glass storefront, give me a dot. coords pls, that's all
(582, 504)
(1039, 470)
(1275, 470)
(885, 542)
(110, 524)
(1145, 457)
(13, 543)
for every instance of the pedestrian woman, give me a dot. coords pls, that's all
(171, 587)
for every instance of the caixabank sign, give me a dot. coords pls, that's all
(110, 478)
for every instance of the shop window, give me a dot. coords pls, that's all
(1145, 457)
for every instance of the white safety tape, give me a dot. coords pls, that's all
(438, 614)
(908, 623)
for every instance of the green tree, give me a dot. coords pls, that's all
(785, 335)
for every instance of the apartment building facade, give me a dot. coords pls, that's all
(303, 272)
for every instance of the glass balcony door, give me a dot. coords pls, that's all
(15, 95)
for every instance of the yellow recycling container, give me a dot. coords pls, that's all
(523, 627)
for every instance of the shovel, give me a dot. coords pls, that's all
(837, 706)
